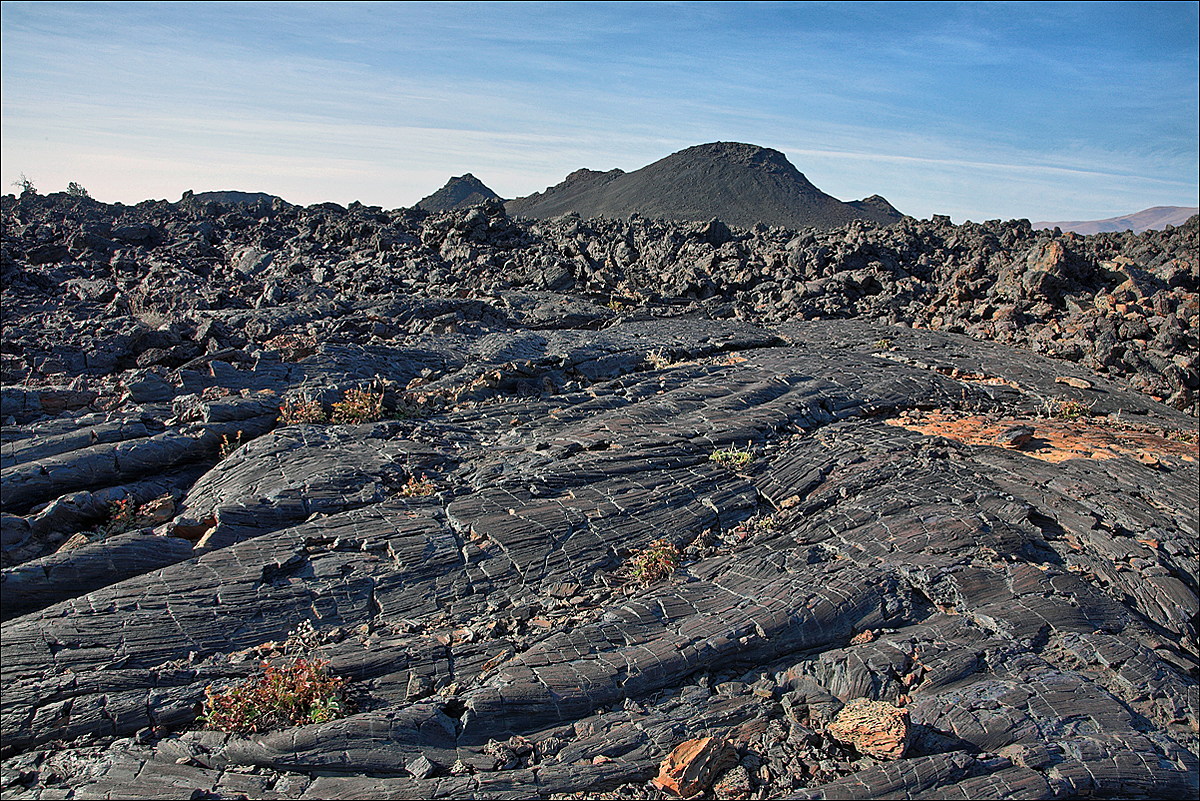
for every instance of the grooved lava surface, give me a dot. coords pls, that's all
(429, 450)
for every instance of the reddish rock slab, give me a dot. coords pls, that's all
(694, 764)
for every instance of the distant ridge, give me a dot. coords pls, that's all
(461, 192)
(1155, 218)
(228, 198)
(738, 183)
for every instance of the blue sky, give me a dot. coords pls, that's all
(977, 110)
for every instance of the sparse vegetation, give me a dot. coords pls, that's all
(356, 406)
(122, 517)
(76, 190)
(295, 695)
(417, 487)
(359, 406)
(658, 359)
(755, 526)
(732, 457)
(762, 523)
(1181, 435)
(126, 515)
(230, 444)
(1069, 410)
(300, 411)
(407, 409)
(654, 562)
(883, 343)
(25, 185)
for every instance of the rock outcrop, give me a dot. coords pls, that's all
(926, 465)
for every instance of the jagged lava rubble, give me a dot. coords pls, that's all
(968, 492)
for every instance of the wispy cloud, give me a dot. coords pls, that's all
(959, 108)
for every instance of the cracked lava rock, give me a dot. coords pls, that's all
(537, 403)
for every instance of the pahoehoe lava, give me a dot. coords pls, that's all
(968, 490)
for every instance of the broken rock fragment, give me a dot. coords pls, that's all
(693, 765)
(874, 728)
(1015, 436)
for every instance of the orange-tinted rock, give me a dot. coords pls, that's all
(1057, 440)
(694, 764)
(874, 728)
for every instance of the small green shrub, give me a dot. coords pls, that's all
(657, 561)
(1071, 410)
(76, 190)
(301, 693)
(732, 457)
(883, 343)
(301, 411)
(359, 406)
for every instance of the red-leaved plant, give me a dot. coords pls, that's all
(277, 697)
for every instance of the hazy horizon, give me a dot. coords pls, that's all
(1046, 111)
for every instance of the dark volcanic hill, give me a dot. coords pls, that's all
(738, 183)
(458, 193)
(1152, 219)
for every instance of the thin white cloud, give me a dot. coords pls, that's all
(381, 113)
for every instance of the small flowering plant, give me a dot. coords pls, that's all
(293, 695)
(302, 410)
(657, 561)
(359, 406)
(418, 487)
(122, 517)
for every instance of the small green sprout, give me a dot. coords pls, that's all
(732, 457)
